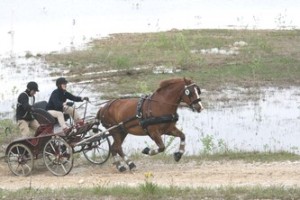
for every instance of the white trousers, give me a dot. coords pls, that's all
(60, 116)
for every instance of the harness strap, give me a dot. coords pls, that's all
(139, 112)
(147, 121)
(158, 120)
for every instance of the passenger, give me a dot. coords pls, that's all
(25, 118)
(57, 104)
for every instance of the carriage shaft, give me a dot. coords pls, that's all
(88, 140)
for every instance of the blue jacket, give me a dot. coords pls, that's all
(58, 97)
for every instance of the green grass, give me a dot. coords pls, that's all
(253, 156)
(156, 192)
(270, 57)
(229, 155)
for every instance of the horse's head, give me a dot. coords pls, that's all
(191, 96)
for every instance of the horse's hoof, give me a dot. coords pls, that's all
(146, 151)
(177, 156)
(132, 166)
(122, 169)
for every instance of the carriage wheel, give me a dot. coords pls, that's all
(20, 160)
(97, 152)
(58, 156)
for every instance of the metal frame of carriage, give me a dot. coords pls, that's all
(57, 149)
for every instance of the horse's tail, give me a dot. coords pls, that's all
(98, 114)
(102, 109)
(97, 121)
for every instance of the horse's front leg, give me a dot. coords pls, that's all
(161, 147)
(177, 133)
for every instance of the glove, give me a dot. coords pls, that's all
(86, 99)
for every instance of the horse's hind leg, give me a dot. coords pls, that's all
(117, 149)
(129, 162)
(178, 133)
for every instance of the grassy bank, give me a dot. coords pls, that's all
(149, 190)
(212, 58)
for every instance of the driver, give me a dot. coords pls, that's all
(57, 104)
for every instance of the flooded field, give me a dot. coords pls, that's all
(260, 119)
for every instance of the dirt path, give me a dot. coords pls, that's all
(191, 174)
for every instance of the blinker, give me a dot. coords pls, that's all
(187, 92)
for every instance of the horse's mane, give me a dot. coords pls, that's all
(168, 82)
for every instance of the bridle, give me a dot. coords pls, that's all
(187, 92)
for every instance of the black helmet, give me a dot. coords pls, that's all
(33, 86)
(60, 81)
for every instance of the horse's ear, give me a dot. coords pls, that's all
(187, 81)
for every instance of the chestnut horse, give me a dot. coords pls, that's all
(152, 115)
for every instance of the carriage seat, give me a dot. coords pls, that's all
(41, 105)
(41, 115)
(45, 119)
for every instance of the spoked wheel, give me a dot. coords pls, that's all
(98, 151)
(58, 156)
(20, 160)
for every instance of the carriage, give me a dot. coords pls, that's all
(151, 115)
(54, 147)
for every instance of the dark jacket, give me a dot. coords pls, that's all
(24, 109)
(58, 97)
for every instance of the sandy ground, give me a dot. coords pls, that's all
(182, 174)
